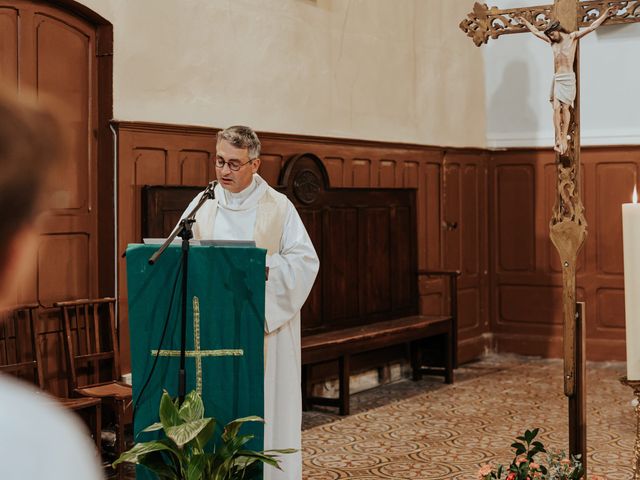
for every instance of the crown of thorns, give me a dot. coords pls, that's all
(553, 26)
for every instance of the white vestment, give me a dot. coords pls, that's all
(260, 213)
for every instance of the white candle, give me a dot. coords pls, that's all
(631, 242)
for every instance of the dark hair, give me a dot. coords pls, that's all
(554, 26)
(29, 148)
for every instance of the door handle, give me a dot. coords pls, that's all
(449, 225)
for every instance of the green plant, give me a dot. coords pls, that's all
(184, 453)
(524, 467)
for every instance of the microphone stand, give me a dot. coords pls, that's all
(184, 231)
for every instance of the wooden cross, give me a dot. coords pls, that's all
(197, 353)
(568, 226)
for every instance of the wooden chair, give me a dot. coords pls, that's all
(93, 360)
(20, 356)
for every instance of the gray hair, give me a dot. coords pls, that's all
(242, 137)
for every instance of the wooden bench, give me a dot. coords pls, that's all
(366, 294)
(341, 344)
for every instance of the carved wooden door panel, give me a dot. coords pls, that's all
(52, 52)
(464, 244)
(49, 51)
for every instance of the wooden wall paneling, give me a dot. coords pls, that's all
(615, 181)
(403, 259)
(270, 166)
(106, 158)
(610, 175)
(195, 165)
(9, 56)
(375, 262)
(340, 248)
(465, 248)
(527, 316)
(335, 169)
(387, 177)
(515, 209)
(430, 232)
(526, 295)
(313, 311)
(362, 175)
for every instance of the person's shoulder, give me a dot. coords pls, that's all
(32, 423)
(273, 193)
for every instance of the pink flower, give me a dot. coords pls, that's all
(484, 471)
(521, 459)
(511, 476)
(534, 466)
(565, 461)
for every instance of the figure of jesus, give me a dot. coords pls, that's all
(563, 88)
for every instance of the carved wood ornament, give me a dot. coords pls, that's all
(486, 22)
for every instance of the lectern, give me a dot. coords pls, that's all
(225, 332)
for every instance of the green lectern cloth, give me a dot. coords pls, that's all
(225, 332)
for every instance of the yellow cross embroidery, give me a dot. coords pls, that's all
(197, 353)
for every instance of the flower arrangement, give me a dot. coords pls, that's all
(525, 467)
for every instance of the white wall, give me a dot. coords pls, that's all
(394, 70)
(519, 69)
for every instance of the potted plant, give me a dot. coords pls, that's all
(185, 451)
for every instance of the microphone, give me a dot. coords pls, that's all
(210, 190)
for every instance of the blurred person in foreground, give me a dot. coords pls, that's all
(38, 439)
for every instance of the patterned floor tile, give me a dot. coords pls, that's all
(427, 430)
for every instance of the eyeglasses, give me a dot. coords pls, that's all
(233, 165)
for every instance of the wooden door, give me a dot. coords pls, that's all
(53, 53)
(464, 243)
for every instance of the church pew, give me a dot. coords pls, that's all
(366, 295)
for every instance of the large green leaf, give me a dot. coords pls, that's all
(231, 429)
(281, 451)
(141, 449)
(182, 434)
(153, 427)
(161, 464)
(197, 465)
(168, 412)
(230, 448)
(249, 456)
(192, 408)
(205, 434)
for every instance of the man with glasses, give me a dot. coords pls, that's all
(247, 208)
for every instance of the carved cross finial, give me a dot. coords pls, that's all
(486, 22)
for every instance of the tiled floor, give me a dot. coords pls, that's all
(426, 430)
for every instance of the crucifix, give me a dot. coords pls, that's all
(197, 353)
(559, 25)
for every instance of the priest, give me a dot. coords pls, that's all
(247, 208)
